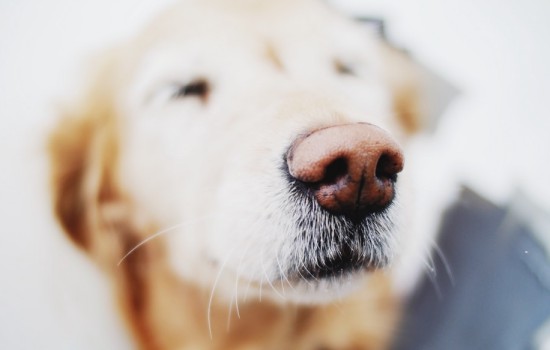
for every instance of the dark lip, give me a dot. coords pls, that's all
(332, 268)
(347, 261)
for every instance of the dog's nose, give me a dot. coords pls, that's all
(351, 169)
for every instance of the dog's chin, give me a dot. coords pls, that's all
(322, 290)
(330, 268)
(334, 278)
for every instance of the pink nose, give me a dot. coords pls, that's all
(351, 169)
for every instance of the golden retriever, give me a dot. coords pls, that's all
(233, 170)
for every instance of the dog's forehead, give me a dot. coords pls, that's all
(243, 22)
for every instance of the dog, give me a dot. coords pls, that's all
(236, 172)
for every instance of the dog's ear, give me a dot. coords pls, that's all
(83, 154)
(420, 96)
(403, 77)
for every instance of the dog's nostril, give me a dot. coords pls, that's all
(335, 171)
(387, 167)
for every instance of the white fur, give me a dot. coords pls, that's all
(213, 169)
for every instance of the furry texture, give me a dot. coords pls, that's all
(182, 133)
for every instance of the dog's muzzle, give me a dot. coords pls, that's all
(345, 175)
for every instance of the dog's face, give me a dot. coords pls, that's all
(209, 109)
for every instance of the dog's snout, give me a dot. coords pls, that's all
(351, 169)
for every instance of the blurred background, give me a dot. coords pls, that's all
(493, 136)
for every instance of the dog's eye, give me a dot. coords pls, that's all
(343, 68)
(197, 88)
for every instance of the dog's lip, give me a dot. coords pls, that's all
(335, 267)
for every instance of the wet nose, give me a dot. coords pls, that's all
(350, 169)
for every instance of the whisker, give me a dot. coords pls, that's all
(284, 276)
(282, 273)
(445, 263)
(245, 298)
(210, 300)
(309, 273)
(267, 277)
(153, 236)
(431, 273)
(239, 268)
(229, 313)
(157, 234)
(261, 285)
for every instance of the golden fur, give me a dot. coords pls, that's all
(162, 310)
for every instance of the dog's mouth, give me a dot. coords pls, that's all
(327, 252)
(329, 246)
(345, 262)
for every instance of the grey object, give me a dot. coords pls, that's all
(497, 294)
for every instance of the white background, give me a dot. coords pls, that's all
(494, 137)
